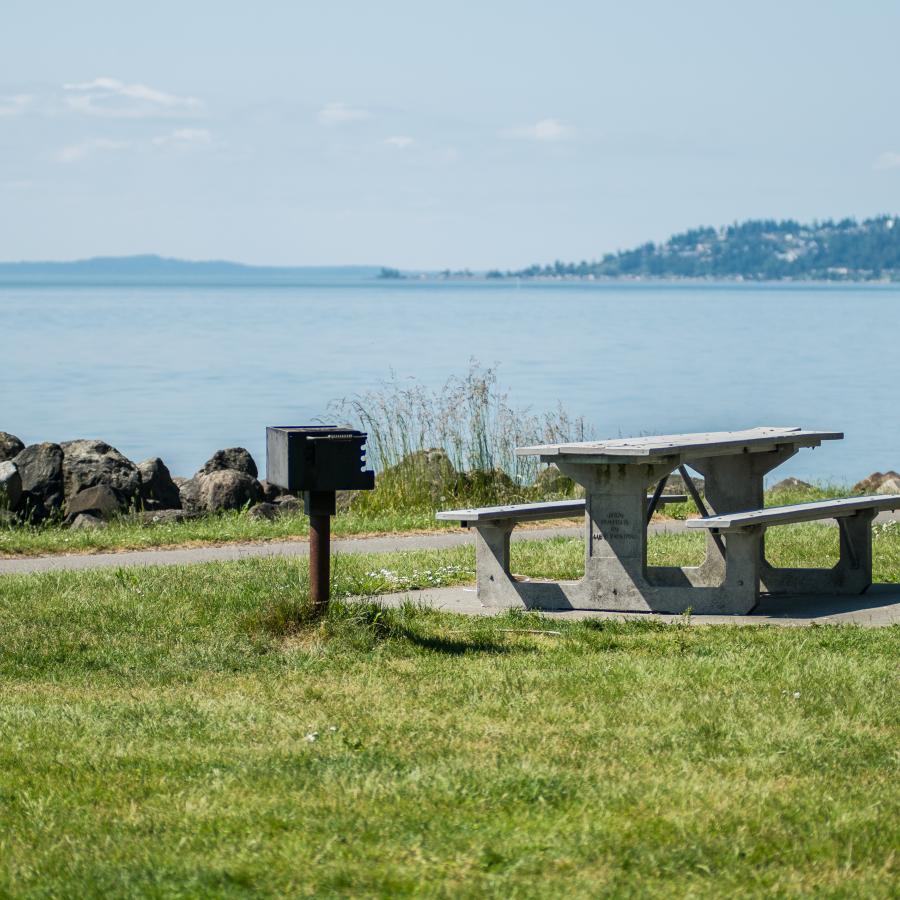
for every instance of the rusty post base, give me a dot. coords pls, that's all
(320, 507)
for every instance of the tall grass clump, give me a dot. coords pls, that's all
(456, 443)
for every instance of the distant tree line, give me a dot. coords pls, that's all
(757, 250)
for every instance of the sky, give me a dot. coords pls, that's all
(433, 135)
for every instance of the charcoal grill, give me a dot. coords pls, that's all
(318, 461)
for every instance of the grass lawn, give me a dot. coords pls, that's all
(189, 732)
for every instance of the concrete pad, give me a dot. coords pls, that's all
(877, 607)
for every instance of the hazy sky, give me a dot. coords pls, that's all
(420, 134)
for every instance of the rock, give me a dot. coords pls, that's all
(262, 511)
(87, 463)
(41, 469)
(271, 492)
(227, 489)
(218, 490)
(676, 485)
(235, 458)
(288, 505)
(157, 485)
(791, 484)
(424, 471)
(164, 516)
(493, 486)
(86, 522)
(889, 486)
(32, 510)
(10, 446)
(551, 481)
(189, 494)
(99, 501)
(879, 483)
(10, 485)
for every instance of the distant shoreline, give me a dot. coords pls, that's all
(162, 272)
(344, 279)
(634, 279)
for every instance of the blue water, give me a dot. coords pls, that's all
(179, 371)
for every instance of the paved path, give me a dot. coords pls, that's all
(879, 606)
(226, 552)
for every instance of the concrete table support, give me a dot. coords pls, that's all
(852, 573)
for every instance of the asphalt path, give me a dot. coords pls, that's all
(185, 556)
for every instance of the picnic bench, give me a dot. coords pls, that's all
(616, 475)
(494, 525)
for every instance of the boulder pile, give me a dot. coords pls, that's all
(85, 483)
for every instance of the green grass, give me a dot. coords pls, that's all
(191, 732)
(127, 534)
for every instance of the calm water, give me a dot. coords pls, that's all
(181, 371)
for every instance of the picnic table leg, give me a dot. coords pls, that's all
(615, 532)
(493, 578)
(851, 575)
(735, 484)
(743, 564)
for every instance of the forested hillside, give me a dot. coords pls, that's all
(756, 249)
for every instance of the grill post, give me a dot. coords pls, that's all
(320, 507)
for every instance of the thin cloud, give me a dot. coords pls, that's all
(341, 114)
(399, 141)
(183, 137)
(546, 130)
(112, 98)
(76, 152)
(15, 105)
(887, 160)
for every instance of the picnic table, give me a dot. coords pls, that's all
(616, 475)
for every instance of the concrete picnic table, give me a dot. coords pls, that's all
(616, 475)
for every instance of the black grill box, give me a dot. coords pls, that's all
(317, 458)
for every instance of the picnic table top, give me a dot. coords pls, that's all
(708, 443)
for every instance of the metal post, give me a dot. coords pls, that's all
(654, 500)
(319, 559)
(701, 506)
(320, 507)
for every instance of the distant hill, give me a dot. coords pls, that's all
(755, 250)
(167, 269)
(125, 265)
